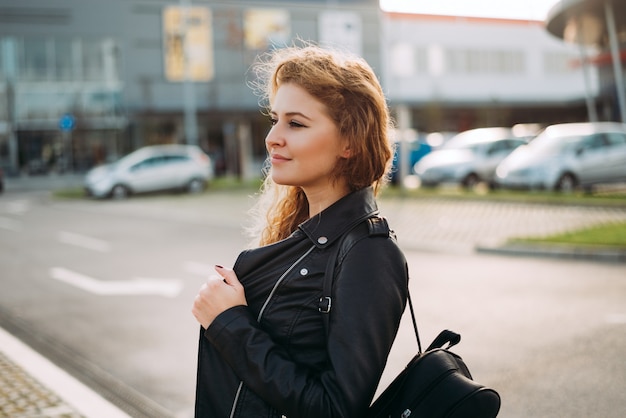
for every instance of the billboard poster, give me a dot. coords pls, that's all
(264, 28)
(187, 44)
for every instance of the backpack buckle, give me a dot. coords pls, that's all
(325, 304)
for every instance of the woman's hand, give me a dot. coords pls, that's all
(217, 295)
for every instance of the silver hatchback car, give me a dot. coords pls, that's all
(151, 169)
(469, 158)
(568, 156)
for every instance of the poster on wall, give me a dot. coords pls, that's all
(264, 28)
(187, 44)
(342, 30)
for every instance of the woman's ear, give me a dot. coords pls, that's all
(346, 152)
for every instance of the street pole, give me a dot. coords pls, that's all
(589, 100)
(191, 123)
(615, 55)
(404, 124)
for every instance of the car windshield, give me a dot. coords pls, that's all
(475, 140)
(549, 145)
(472, 147)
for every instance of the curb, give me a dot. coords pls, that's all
(556, 251)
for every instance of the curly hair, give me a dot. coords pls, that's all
(354, 100)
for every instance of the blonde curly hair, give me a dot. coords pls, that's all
(354, 100)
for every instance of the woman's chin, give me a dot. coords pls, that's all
(282, 180)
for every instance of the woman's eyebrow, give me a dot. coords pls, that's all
(290, 114)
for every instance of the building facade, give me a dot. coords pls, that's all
(83, 81)
(457, 73)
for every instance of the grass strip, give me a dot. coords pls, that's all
(608, 235)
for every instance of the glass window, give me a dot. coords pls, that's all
(150, 162)
(33, 60)
(593, 142)
(474, 61)
(4, 111)
(2, 74)
(93, 63)
(176, 158)
(63, 60)
(558, 63)
(42, 105)
(616, 139)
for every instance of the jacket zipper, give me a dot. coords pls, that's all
(232, 411)
(280, 279)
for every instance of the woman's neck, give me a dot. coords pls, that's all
(320, 199)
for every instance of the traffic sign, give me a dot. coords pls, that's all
(66, 123)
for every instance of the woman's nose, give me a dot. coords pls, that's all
(274, 138)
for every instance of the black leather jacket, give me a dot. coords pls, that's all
(273, 357)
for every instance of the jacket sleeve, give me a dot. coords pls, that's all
(369, 297)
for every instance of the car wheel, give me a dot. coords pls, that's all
(195, 186)
(119, 192)
(428, 185)
(470, 181)
(567, 183)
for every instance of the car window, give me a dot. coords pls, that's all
(550, 145)
(148, 163)
(176, 158)
(592, 142)
(616, 139)
(496, 147)
(504, 145)
(514, 143)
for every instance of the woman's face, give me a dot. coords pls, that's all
(304, 142)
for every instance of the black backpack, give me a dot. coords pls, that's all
(435, 383)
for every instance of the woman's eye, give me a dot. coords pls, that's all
(292, 123)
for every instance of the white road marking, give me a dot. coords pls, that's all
(84, 241)
(199, 269)
(10, 224)
(136, 286)
(84, 400)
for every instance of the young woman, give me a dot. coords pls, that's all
(264, 348)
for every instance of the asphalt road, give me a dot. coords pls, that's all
(105, 289)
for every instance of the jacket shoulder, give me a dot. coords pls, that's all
(375, 226)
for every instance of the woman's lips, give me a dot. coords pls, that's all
(277, 158)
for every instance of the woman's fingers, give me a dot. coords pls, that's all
(228, 275)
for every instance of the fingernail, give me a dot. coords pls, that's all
(219, 267)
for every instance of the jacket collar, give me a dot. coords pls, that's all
(330, 224)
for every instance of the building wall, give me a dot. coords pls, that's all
(145, 106)
(457, 73)
(478, 60)
(453, 73)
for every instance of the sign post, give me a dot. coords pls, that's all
(66, 125)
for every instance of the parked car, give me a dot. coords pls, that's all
(469, 158)
(568, 156)
(151, 169)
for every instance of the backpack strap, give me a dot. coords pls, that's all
(376, 226)
(372, 226)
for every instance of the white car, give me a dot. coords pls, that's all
(151, 169)
(469, 158)
(568, 156)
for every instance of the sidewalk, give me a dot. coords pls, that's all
(31, 386)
